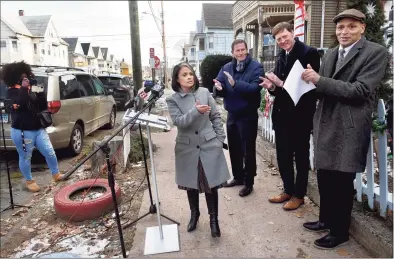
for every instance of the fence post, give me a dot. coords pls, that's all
(370, 175)
(383, 193)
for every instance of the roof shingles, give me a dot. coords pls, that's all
(217, 15)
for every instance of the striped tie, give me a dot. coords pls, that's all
(341, 59)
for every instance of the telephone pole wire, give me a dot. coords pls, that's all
(135, 44)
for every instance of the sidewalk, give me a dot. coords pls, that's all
(250, 226)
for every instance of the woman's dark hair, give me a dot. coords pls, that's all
(175, 85)
(11, 73)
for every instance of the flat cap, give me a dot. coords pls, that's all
(350, 13)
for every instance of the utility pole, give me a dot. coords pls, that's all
(164, 45)
(135, 44)
(323, 14)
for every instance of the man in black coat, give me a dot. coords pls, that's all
(292, 123)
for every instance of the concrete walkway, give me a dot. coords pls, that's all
(250, 226)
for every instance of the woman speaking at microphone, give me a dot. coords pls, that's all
(199, 158)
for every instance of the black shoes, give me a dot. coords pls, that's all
(330, 242)
(212, 204)
(246, 191)
(232, 183)
(316, 226)
(194, 209)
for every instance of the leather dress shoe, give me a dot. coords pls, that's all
(315, 226)
(330, 242)
(293, 204)
(246, 191)
(280, 198)
(232, 183)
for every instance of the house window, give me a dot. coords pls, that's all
(35, 48)
(43, 51)
(192, 50)
(49, 50)
(54, 51)
(15, 45)
(64, 54)
(211, 42)
(202, 44)
(3, 44)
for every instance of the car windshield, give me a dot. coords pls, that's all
(110, 81)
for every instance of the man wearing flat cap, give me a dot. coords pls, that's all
(346, 86)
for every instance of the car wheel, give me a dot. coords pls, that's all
(76, 140)
(112, 120)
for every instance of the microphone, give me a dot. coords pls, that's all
(156, 92)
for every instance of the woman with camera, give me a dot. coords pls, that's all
(28, 129)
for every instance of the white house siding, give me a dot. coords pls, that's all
(56, 54)
(9, 53)
(222, 39)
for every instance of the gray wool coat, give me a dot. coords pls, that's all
(343, 118)
(199, 136)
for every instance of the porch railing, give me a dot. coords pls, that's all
(377, 193)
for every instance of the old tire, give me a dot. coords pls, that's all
(89, 209)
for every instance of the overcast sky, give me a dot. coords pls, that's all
(90, 20)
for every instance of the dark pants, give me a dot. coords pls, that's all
(290, 142)
(242, 134)
(336, 200)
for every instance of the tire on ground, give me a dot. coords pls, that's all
(89, 209)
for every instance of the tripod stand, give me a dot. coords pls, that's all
(152, 208)
(12, 204)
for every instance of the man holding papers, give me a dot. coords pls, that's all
(346, 87)
(292, 115)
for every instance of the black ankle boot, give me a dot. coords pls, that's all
(192, 196)
(212, 204)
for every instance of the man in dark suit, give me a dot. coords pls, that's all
(346, 86)
(238, 84)
(292, 123)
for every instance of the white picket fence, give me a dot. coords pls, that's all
(376, 193)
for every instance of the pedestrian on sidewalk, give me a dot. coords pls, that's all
(199, 158)
(292, 123)
(238, 84)
(26, 129)
(346, 86)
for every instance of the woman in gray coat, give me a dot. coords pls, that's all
(199, 158)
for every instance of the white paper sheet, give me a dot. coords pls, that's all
(294, 85)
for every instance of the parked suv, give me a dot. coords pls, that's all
(79, 103)
(121, 88)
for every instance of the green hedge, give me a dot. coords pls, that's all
(210, 68)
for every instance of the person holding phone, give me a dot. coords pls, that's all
(26, 129)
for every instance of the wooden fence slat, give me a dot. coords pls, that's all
(382, 153)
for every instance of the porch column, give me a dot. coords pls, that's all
(256, 44)
(260, 35)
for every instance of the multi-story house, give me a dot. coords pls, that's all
(76, 56)
(92, 66)
(33, 39)
(213, 35)
(254, 20)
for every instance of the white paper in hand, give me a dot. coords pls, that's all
(294, 85)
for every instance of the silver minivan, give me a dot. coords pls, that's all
(79, 102)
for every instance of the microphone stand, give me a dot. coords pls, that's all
(12, 204)
(103, 146)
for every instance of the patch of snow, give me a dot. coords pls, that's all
(85, 247)
(33, 243)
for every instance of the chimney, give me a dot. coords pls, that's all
(21, 13)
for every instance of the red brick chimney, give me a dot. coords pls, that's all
(21, 12)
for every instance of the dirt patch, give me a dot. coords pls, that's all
(39, 231)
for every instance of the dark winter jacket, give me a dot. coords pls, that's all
(24, 117)
(244, 98)
(285, 114)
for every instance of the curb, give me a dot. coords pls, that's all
(370, 232)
